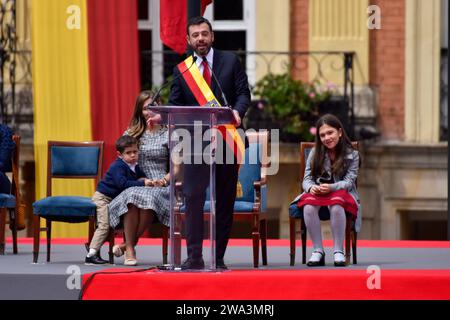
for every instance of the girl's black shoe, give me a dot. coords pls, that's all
(314, 262)
(339, 259)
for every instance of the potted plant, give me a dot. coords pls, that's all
(287, 104)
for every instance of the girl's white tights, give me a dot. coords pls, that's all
(312, 222)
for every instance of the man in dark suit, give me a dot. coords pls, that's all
(234, 83)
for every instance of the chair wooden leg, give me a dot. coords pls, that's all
(177, 241)
(111, 240)
(36, 235)
(292, 240)
(13, 227)
(303, 236)
(354, 238)
(255, 237)
(177, 246)
(49, 238)
(263, 231)
(347, 240)
(2, 230)
(165, 243)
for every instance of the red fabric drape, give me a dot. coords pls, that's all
(173, 20)
(114, 68)
(204, 4)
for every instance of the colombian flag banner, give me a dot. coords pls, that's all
(85, 80)
(173, 21)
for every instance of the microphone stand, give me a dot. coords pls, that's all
(220, 88)
(218, 84)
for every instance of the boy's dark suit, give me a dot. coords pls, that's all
(233, 80)
(120, 177)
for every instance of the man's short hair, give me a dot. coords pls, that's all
(195, 21)
(125, 142)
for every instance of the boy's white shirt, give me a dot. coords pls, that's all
(131, 166)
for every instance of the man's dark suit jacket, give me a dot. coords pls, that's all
(231, 76)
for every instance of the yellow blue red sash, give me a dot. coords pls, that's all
(204, 96)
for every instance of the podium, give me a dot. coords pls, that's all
(192, 140)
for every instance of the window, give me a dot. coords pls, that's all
(150, 45)
(234, 27)
(228, 10)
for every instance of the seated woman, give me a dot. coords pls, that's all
(6, 150)
(330, 174)
(137, 207)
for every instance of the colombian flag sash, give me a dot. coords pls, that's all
(205, 97)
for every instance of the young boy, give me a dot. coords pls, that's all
(123, 173)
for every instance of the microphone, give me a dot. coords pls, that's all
(218, 83)
(156, 96)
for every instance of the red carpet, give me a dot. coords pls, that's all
(269, 285)
(287, 284)
(270, 242)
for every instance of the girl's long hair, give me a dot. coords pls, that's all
(137, 125)
(342, 148)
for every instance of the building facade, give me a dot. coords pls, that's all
(400, 93)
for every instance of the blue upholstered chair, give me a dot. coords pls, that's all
(252, 205)
(11, 201)
(324, 214)
(67, 160)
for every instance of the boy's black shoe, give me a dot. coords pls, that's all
(95, 259)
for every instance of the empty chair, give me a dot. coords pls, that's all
(67, 160)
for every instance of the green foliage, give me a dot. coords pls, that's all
(165, 92)
(292, 104)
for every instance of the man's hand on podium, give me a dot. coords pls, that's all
(237, 118)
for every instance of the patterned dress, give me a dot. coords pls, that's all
(154, 161)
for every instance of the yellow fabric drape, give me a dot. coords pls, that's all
(61, 93)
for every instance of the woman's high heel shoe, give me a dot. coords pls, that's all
(317, 259)
(130, 261)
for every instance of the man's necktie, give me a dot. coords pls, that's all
(206, 73)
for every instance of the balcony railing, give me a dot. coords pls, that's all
(15, 76)
(17, 98)
(313, 66)
(157, 66)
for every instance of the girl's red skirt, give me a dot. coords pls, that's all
(340, 197)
